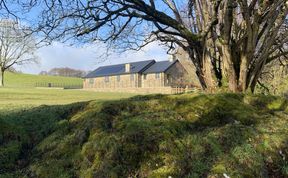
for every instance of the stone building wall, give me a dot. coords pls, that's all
(191, 77)
(125, 81)
(175, 76)
(153, 80)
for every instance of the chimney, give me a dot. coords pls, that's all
(172, 58)
(127, 67)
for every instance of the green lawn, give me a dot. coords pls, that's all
(13, 98)
(29, 80)
(20, 92)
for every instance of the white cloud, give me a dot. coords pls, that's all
(87, 57)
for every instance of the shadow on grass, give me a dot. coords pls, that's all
(21, 131)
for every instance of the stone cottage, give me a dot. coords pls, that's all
(140, 77)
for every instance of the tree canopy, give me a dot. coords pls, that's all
(229, 42)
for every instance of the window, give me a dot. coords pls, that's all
(91, 81)
(157, 75)
(168, 78)
(118, 78)
(145, 76)
(106, 79)
(132, 77)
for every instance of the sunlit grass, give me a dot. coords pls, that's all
(28, 80)
(13, 98)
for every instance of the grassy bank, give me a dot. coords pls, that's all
(19, 80)
(189, 135)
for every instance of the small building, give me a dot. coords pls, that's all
(139, 77)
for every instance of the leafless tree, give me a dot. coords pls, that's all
(16, 47)
(229, 41)
(273, 79)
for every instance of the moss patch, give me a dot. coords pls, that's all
(189, 135)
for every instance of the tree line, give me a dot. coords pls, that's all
(65, 72)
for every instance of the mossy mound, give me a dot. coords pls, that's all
(189, 135)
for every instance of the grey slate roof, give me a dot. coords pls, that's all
(161, 66)
(136, 67)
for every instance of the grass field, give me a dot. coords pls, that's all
(28, 80)
(19, 92)
(18, 98)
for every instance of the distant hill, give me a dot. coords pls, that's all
(29, 80)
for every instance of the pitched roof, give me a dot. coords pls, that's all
(161, 66)
(135, 67)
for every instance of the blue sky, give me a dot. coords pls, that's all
(85, 57)
(88, 57)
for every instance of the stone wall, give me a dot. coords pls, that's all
(152, 81)
(191, 77)
(161, 90)
(175, 76)
(149, 90)
(125, 81)
(159, 82)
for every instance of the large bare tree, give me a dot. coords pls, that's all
(229, 41)
(16, 46)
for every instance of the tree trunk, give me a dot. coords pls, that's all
(242, 84)
(229, 71)
(209, 75)
(1, 78)
(195, 57)
(256, 77)
(201, 79)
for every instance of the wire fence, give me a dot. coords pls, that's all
(59, 85)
